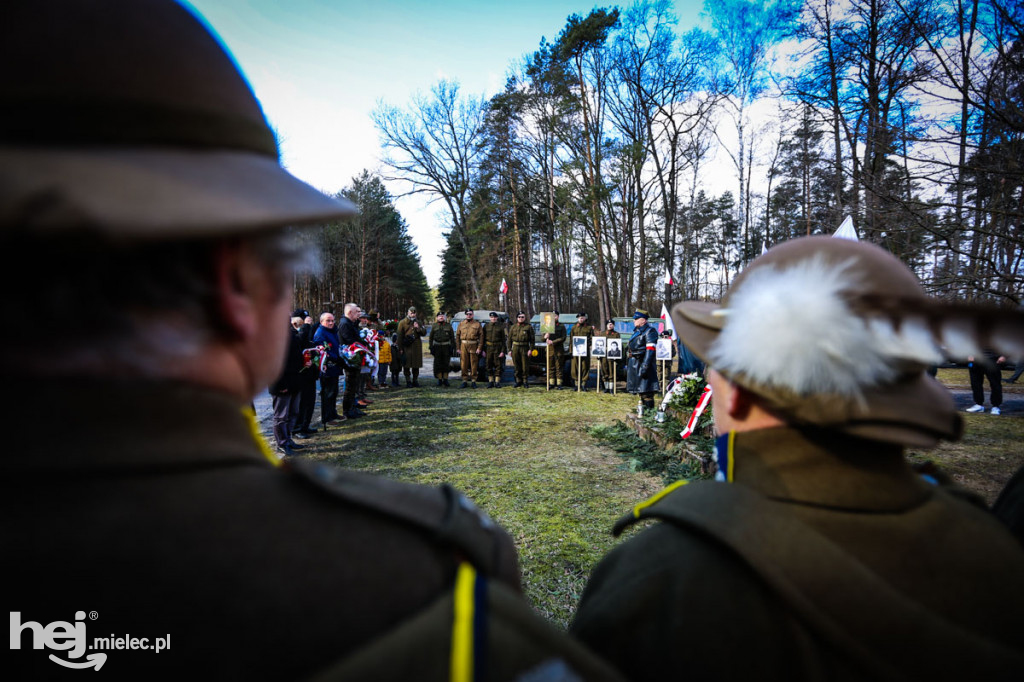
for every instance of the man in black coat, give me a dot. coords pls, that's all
(348, 333)
(301, 424)
(287, 394)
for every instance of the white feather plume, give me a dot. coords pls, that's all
(793, 328)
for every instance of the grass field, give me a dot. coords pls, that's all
(528, 459)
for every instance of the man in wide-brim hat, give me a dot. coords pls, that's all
(819, 553)
(140, 180)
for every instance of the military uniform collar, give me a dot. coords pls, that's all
(822, 468)
(95, 425)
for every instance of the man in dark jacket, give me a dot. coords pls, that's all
(819, 553)
(286, 395)
(134, 155)
(641, 373)
(327, 337)
(302, 427)
(348, 333)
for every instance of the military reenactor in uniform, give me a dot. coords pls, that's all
(440, 342)
(152, 485)
(641, 374)
(410, 331)
(819, 550)
(581, 365)
(607, 373)
(521, 338)
(495, 347)
(556, 345)
(469, 340)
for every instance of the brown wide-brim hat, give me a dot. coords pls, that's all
(910, 407)
(129, 119)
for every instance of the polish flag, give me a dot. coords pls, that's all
(503, 289)
(691, 424)
(669, 279)
(668, 320)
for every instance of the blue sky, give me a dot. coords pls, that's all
(319, 67)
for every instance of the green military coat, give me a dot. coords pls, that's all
(825, 557)
(442, 344)
(413, 352)
(156, 509)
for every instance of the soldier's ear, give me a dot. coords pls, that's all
(240, 280)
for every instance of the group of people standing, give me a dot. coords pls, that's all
(294, 392)
(497, 340)
(150, 499)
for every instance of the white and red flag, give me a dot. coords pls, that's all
(669, 279)
(503, 289)
(668, 321)
(691, 424)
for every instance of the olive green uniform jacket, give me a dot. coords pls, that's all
(442, 344)
(413, 352)
(495, 343)
(155, 507)
(469, 337)
(826, 558)
(557, 347)
(522, 339)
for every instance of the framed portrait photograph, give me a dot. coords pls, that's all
(547, 323)
(663, 351)
(597, 348)
(579, 346)
(614, 349)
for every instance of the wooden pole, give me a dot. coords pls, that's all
(547, 378)
(615, 377)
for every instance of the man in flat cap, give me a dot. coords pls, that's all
(469, 338)
(150, 531)
(819, 553)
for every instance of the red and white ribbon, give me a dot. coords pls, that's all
(697, 412)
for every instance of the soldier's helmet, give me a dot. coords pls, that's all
(129, 119)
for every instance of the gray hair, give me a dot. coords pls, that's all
(131, 306)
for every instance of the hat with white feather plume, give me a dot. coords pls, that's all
(839, 334)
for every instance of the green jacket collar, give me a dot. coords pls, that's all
(822, 468)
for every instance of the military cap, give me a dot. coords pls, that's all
(299, 312)
(839, 334)
(493, 314)
(412, 309)
(556, 313)
(638, 313)
(468, 311)
(157, 134)
(581, 313)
